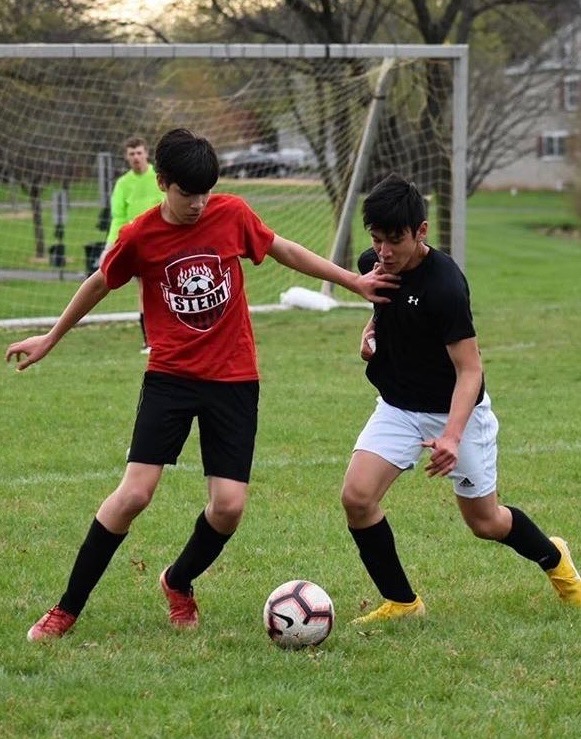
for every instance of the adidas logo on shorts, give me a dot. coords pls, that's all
(466, 483)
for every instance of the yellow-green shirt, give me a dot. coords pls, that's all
(132, 195)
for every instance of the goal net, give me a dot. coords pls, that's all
(302, 134)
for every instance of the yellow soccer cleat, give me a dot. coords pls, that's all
(391, 609)
(564, 577)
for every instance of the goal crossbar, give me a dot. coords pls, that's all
(233, 51)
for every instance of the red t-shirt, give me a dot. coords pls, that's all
(196, 312)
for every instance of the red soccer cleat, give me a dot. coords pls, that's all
(54, 624)
(183, 609)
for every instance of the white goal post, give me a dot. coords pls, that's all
(302, 131)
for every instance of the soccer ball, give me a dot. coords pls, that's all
(198, 285)
(298, 614)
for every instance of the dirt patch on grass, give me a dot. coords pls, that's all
(564, 230)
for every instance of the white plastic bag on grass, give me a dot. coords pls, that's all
(300, 297)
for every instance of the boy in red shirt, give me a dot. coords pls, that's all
(187, 253)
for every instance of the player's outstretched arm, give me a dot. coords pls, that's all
(34, 348)
(303, 260)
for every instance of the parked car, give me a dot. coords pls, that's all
(248, 163)
(297, 160)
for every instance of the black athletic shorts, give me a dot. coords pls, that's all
(227, 414)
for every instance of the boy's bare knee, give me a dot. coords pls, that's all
(484, 529)
(133, 500)
(355, 503)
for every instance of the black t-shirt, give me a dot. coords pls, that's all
(411, 367)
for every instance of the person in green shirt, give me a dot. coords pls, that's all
(134, 192)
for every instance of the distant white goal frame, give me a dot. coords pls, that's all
(457, 54)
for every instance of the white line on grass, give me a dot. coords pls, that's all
(114, 473)
(509, 347)
(557, 446)
(59, 478)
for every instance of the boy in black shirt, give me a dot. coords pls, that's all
(423, 358)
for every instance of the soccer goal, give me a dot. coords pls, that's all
(302, 131)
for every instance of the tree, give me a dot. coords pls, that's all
(52, 21)
(70, 21)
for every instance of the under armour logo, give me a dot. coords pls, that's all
(412, 300)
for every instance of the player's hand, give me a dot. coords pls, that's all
(367, 348)
(369, 284)
(444, 456)
(34, 348)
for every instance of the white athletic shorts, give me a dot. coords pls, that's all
(396, 436)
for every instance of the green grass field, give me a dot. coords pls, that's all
(497, 656)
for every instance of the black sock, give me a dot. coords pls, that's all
(376, 546)
(203, 547)
(528, 540)
(142, 324)
(92, 560)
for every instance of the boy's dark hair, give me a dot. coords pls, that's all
(188, 160)
(133, 142)
(394, 205)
